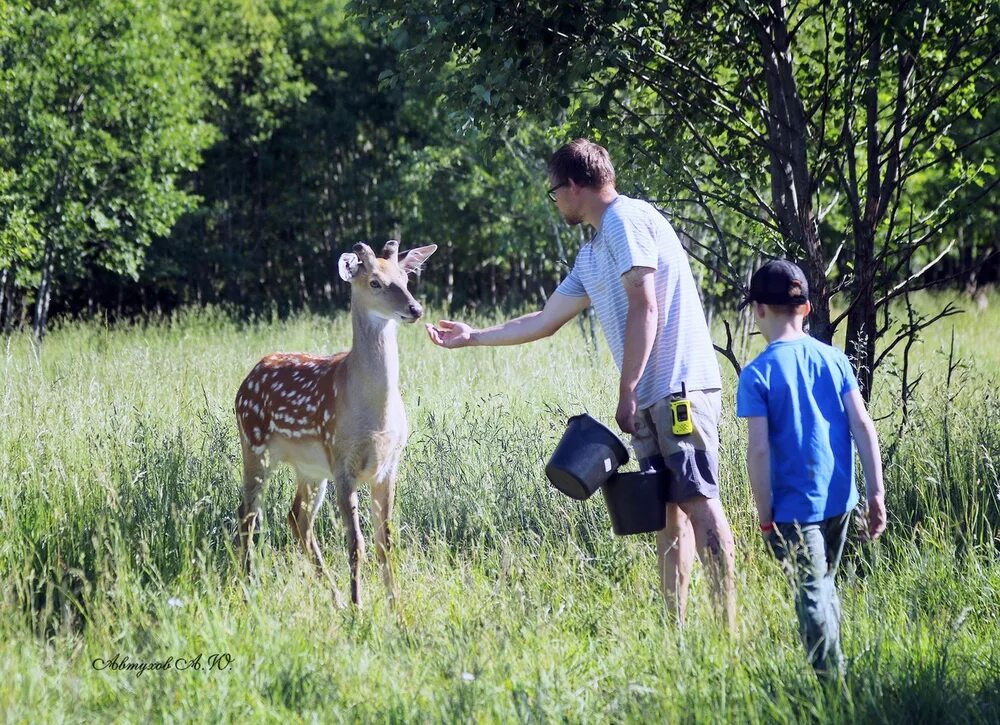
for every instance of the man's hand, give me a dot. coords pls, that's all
(450, 334)
(876, 517)
(625, 415)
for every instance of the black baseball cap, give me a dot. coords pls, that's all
(779, 282)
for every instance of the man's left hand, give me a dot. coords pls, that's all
(625, 415)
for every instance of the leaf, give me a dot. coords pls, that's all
(482, 93)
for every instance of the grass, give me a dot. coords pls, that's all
(119, 481)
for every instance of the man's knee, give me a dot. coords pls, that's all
(704, 512)
(677, 521)
(708, 520)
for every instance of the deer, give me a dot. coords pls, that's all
(335, 418)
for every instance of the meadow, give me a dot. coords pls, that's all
(119, 479)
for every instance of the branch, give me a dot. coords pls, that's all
(916, 275)
(914, 327)
(727, 352)
(697, 190)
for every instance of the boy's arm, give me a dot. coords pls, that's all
(863, 431)
(759, 469)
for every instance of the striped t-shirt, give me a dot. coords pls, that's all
(634, 234)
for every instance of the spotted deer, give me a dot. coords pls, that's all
(337, 417)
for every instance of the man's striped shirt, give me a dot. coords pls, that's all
(634, 234)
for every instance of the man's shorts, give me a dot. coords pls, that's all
(692, 459)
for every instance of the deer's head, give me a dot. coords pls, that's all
(378, 283)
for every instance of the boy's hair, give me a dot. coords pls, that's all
(583, 162)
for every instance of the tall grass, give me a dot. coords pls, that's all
(119, 480)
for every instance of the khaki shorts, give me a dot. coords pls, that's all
(693, 459)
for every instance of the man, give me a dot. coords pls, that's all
(803, 405)
(636, 274)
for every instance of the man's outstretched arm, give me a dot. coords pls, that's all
(559, 310)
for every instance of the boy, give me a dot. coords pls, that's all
(802, 401)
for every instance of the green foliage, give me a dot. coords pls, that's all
(101, 112)
(155, 155)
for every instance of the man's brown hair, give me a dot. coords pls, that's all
(583, 162)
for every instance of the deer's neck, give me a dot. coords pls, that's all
(374, 357)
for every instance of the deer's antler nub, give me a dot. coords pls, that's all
(391, 251)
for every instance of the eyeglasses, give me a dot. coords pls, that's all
(552, 191)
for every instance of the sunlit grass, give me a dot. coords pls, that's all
(119, 480)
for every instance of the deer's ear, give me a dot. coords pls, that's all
(415, 258)
(348, 266)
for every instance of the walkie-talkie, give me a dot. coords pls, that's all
(680, 413)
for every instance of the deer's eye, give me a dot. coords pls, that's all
(374, 285)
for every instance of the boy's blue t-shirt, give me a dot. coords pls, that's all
(798, 385)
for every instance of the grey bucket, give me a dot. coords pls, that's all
(588, 454)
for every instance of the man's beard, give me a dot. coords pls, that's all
(571, 219)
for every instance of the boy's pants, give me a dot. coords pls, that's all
(810, 555)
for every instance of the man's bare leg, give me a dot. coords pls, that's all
(675, 546)
(714, 541)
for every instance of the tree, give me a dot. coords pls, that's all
(806, 123)
(101, 111)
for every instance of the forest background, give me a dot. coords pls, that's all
(155, 155)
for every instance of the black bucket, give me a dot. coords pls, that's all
(637, 501)
(588, 454)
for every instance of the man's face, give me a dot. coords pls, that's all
(566, 197)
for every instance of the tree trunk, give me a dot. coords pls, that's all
(44, 294)
(493, 284)
(449, 292)
(7, 298)
(861, 320)
(791, 180)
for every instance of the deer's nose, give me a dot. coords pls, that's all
(416, 310)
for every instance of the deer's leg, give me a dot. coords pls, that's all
(309, 496)
(383, 497)
(347, 502)
(255, 470)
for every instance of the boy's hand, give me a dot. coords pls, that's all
(772, 539)
(876, 517)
